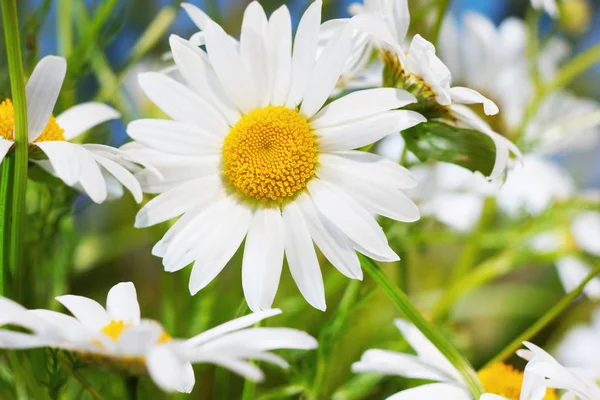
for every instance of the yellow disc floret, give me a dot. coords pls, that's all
(270, 154)
(506, 381)
(114, 329)
(51, 132)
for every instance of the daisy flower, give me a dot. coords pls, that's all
(116, 337)
(253, 152)
(500, 381)
(419, 70)
(92, 168)
(578, 383)
(580, 346)
(549, 6)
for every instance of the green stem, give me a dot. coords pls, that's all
(79, 377)
(471, 248)
(17, 86)
(437, 26)
(131, 387)
(249, 392)
(402, 302)
(64, 27)
(541, 323)
(573, 68)
(6, 186)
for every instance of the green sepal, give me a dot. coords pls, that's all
(436, 141)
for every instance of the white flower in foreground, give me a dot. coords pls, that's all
(419, 70)
(252, 152)
(580, 346)
(92, 168)
(578, 383)
(500, 381)
(118, 338)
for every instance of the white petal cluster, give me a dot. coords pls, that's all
(117, 335)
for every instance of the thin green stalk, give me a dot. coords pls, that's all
(402, 302)
(6, 185)
(131, 387)
(17, 86)
(545, 319)
(249, 392)
(471, 248)
(574, 68)
(79, 377)
(437, 26)
(329, 335)
(64, 27)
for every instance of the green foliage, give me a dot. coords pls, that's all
(436, 141)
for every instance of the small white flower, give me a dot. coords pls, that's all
(580, 346)
(118, 338)
(576, 381)
(252, 152)
(92, 168)
(550, 6)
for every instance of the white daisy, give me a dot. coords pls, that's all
(550, 6)
(116, 337)
(580, 346)
(429, 364)
(418, 69)
(577, 382)
(91, 168)
(253, 152)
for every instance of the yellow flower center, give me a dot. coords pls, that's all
(506, 381)
(114, 329)
(270, 154)
(52, 131)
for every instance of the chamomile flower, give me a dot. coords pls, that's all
(252, 152)
(419, 70)
(500, 381)
(578, 383)
(91, 168)
(117, 338)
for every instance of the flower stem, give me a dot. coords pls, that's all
(66, 363)
(131, 387)
(17, 86)
(545, 319)
(6, 186)
(412, 314)
(573, 68)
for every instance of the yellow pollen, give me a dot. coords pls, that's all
(114, 329)
(270, 154)
(52, 131)
(164, 337)
(506, 381)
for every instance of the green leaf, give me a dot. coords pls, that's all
(435, 141)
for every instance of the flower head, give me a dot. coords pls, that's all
(253, 152)
(117, 338)
(94, 169)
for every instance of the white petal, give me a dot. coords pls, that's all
(431, 391)
(586, 232)
(233, 325)
(262, 339)
(280, 54)
(228, 66)
(176, 201)
(5, 146)
(263, 258)
(42, 91)
(18, 340)
(350, 217)
(122, 304)
(195, 67)
(327, 71)
(82, 117)
(253, 50)
(302, 258)
(181, 104)
(572, 271)
(63, 157)
(305, 50)
(465, 95)
(91, 178)
(363, 131)
(223, 233)
(330, 240)
(168, 371)
(122, 175)
(89, 312)
(240, 367)
(175, 137)
(198, 16)
(361, 104)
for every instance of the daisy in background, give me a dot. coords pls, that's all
(549, 6)
(92, 168)
(500, 381)
(117, 338)
(419, 70)
(252, 152)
